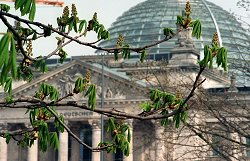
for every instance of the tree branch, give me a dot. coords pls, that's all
(110, 50)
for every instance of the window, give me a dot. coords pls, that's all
(220, 144)
(248, 149)
(118, 156)
(216, 140)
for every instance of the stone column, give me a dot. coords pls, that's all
(33, 152)
(3, 144)
(235, 149)
(130, 157)
(96, 138)
(159, 143)
(63, 147)
(75, 146)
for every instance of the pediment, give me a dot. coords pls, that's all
(116, 84)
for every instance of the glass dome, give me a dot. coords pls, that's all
(144, 23)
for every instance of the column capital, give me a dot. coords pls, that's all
(158, 124)
(129, 123)
(3, 126)
(95, 124)
(66, 122)
(28, 125)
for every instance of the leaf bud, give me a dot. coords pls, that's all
(188, 9)
(120, 41)
(66, 11)
(95, 16)
(88, 76)
(215, 40)
(73, 10)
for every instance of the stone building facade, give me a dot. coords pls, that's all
(126, 86)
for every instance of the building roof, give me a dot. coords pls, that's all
(144, 23)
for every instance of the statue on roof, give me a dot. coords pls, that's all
(185, 38)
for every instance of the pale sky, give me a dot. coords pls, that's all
(108, 11)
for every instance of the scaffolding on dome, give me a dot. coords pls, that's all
(59, 3)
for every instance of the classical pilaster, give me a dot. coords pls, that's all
(75, 146)
(63, 149)
(159, 145)
(3, 144)
(130, 157)
(236, 151)
(96, 138)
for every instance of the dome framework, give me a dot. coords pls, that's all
(144, 23)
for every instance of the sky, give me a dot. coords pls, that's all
(108, 11)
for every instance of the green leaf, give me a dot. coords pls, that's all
(43, 67)
(146, 106)
(43, 135)
(116, 55)
(210, 59)
(47, 31)
(206, 54)
(89, 90)
(19, 3)
(7, 136)
(54, 141)
(34, 37)
(26, 7)
(196, 29)
(155, 95)
(62, 55)
(82, 24)
(222, 58)
(13, 58)
(8, 85)
(32, 11)
(177, 120)
(168, 97)
(75, 25)
(71, 23)
(184, 116)
(126, 51)
(111, 125)
(4, 47)
(9, 99)
(129, 135)
(143, 55)
(105, 35)
(168, 32)
(179, 20)
(164, 121)
(92, 97)
(4, 7)
(78, 85)
(126, 149)
(4, 74)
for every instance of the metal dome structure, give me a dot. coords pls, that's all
(144, 23)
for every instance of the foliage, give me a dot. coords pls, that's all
(166, 104)
(7, 62)
(121, 137)
(26, 7)
(215, 52)
(244, 4)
